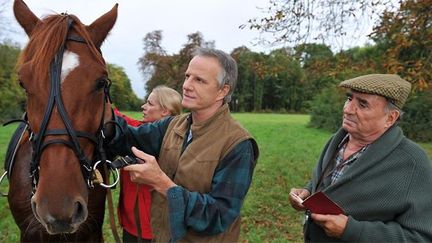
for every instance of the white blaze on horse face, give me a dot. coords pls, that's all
(70, 62)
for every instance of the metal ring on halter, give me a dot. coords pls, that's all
(117, 177)
(1, 179)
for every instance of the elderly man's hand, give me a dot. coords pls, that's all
(149, 172)
(296, 198)
(333, 225)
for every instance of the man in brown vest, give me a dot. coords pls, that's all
(199, 164)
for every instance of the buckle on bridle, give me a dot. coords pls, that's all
(102, 134)
(97, 180)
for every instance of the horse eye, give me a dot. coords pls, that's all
(21, 84)
(101, 83)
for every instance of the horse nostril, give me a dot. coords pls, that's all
(80, 213)
(34, 208)
(33, 205)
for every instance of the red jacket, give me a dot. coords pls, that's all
(129, 191)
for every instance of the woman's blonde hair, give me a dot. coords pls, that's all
(169, 99)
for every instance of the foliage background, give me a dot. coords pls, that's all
(12, 97)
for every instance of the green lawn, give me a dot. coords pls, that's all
(8, 229)
(288, 151)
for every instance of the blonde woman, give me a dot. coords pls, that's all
(162, 101)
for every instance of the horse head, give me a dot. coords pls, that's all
(65, 78)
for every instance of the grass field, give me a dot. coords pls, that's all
(288, 151)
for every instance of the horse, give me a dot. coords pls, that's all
(65, 78)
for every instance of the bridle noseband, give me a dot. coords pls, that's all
(55, 99)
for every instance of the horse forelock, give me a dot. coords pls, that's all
(47, 38)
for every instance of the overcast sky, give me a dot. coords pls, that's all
(217, 20)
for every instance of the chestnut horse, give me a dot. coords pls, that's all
(51, 194)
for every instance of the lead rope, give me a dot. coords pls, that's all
(107, 173)
(111, 208)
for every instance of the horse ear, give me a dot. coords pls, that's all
(25, 16)
(100, 28)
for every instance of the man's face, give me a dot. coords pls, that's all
(201, 89)
(364, 115)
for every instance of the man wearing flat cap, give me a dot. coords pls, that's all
(380, 179)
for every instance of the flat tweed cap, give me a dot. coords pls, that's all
(390, 86)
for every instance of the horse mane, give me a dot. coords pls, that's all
(46, 39)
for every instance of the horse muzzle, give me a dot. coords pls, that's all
(61, 222)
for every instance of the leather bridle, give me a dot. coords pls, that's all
(55, 99)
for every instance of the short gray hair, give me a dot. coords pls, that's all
(229, 72)
(391, 106)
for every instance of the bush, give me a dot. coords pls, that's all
(12, 96)
(417, 120)
(326, 109)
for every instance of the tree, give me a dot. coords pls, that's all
(250, 85)
(416, 122)
(152, 50)
(284, 82)
(303, 21)
(155, 64)
(12, 96)
(405, 36)
(160, 68)
(121, 91)
(268, 81)
(318, 64)
(326, 109)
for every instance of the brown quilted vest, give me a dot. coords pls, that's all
(212, 141)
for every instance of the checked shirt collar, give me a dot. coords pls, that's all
(342, 165)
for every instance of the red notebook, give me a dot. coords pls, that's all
(319, 203)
